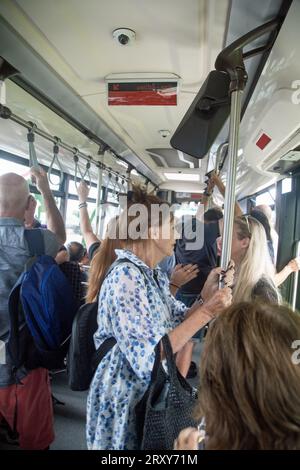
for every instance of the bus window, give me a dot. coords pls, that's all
(72, 220)
(286, 185)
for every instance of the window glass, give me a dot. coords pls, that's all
(266, 198)
(11, 167)
(54, 182)
(112, 197)
(40, 213)
(73, 221)
(23, 170)
(286, 185)
(72, 190)
(186, 208)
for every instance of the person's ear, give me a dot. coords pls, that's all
(28, 202)
(245, 242)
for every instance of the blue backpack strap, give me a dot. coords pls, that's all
(35, 241)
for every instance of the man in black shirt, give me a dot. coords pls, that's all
(205, 257)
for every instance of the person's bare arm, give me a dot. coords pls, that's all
(184, 358)
(292, 267)
(85, 224)
(221, 187)
(55, 222)
(199, 316)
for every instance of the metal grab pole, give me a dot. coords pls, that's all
(235, 116)
(295, 280)
(103, 212)
(99, 193)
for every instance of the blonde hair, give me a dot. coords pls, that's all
(257, 263)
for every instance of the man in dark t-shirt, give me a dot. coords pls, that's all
(205, 257)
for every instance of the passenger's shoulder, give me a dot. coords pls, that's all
(127, 273)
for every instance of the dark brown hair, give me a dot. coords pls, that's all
(250, 387)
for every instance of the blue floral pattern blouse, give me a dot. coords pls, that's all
(137, 314)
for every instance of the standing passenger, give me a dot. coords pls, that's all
(137, 309)
(254, 270)
(250, 381)
(25, 396)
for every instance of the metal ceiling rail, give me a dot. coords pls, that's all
(6, 113)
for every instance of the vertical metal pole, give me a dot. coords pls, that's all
(103, 212)
(64, 187)
(295, 280)
(235, 117)
(99, 196)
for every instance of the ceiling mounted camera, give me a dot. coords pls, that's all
(124, 36)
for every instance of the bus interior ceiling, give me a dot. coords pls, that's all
(180, 43)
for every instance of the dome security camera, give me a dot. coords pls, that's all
(124, 36)
(164, 133)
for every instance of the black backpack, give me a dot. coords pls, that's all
(84, 358)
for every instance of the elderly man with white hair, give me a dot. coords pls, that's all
(25, 396)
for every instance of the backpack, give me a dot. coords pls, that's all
(76, 278)
(83, 358)
(41, 310)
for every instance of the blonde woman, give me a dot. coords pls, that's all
(254, 270)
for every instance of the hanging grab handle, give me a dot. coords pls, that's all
(87, 173)
(78, 170)
(33, 161)
(55, 159)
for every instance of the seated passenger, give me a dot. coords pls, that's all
(77, 252)
(249, 395)
(136, 308)
(25, 396)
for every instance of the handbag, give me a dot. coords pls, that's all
(167, 406)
